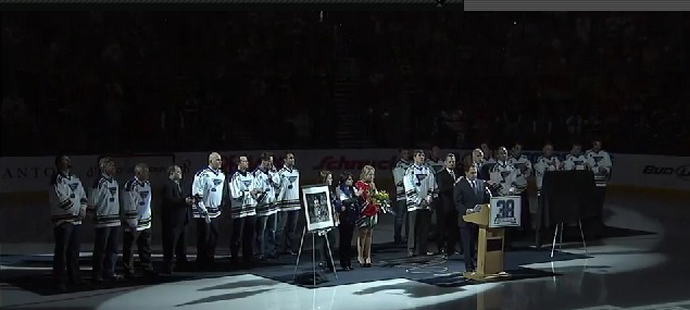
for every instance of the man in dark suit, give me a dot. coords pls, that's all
(176, 214)
(469, 192)
(446, 214)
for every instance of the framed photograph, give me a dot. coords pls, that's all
(505, 212)
(317, 207)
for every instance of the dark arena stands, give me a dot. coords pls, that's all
(194, 81)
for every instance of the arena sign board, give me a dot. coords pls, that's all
(31, 174)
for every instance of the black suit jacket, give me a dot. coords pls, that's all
(466, 198)
(446, 185)
(174, 210)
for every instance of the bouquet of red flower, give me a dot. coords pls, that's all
(382, 200)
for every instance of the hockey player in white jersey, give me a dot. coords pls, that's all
(289, 205)
(576, 160)
(68, 204)
(400, 199)
(268, 180)
(244, 190)
(524, 168)
(208, 189)
(421, 191)
(600, 163)
(547, 162)
(503, 176)
(136, 203)
(104, 201)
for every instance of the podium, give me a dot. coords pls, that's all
(492, 219)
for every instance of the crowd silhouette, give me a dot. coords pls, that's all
(126, 82)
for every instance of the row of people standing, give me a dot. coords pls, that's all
(508, 175)
(264, 207)
(503, 174)
(266, 196)
(354, 209)
(354, 205)
(109, 209)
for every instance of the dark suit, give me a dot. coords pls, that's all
(466, 198)
(446, 213)
(175, 215)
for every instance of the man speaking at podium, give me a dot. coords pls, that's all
(468, 193)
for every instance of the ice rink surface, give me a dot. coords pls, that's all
(638, 272)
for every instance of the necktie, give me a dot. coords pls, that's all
(474, 186)
(179, 189)
(452, 174)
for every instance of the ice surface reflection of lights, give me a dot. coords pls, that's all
(253, 292)
(617, 255)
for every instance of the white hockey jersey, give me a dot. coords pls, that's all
(600, 162)
(524, 168)
(207, 187)
(504, 176)
(288, 195)
(419, 182)
(269, 182)
(136, 203)
(573, 162)
(543, 165)
(105, 201)
(67, 198)
(243, 203)
(398, 173)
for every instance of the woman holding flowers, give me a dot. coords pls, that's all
(368, 215)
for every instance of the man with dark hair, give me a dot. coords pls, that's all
(68, 208)
(467, 193)
(488, 153)
(575, 160)
(421, 190)
(446, 214)
(268, 180)
(288, 205)
(175, 215)
(503, 175)
(244, 191)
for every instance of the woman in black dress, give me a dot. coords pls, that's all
(350, 204)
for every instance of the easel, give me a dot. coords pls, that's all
(321, 232)
(560, 238)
